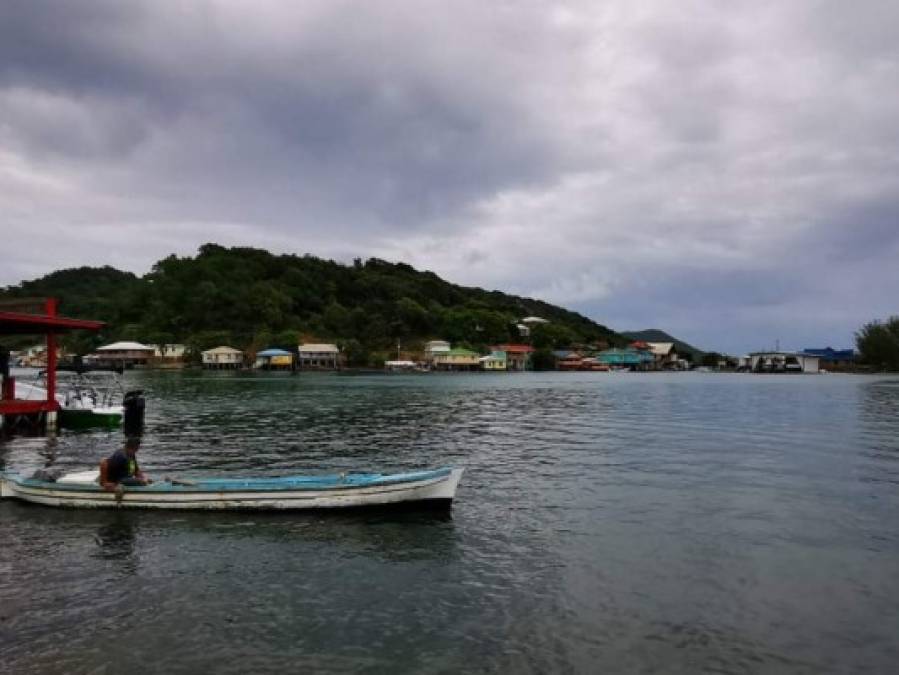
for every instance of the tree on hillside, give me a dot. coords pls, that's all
(551, 336)
(710, 359)
(878, 344)
(543, 359)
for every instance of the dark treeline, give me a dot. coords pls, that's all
(878, 344)
(251, 299)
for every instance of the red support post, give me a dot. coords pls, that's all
(51, 367)
(50, 308)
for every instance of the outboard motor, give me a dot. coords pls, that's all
(134, 404)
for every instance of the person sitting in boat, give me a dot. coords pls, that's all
(121, 467)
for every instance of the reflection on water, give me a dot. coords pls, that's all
(879, 421)
(658, 523)
(116, 541)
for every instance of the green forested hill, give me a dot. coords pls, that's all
(83, 291)
(250, 298)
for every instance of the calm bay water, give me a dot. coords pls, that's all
(606, 523)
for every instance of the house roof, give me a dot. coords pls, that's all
(621, 357)
(265, 353)
(777, 353)
(437, 346)
(125, 347)
(223, 350)
(319, 348)
(514, 349)
(459, 351)
(534, 319)
(661, 348)
(831, 354)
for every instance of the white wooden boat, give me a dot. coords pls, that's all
(346, 490)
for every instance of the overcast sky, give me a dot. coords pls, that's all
(726, 171)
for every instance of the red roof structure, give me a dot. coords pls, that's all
(514, 349)
(49, 324)
(17, 323)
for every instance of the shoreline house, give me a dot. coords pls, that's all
(783, 362)
(319, 357)
(122, 354)
(631, 359)
(518, 357)
(494, 362)
(222, 358)
(34, 357)
(400, 366)
(169, 353)
(833, 359)
(433, 348)
(273, 359)
(456, 359)
(567, 359)
(664, 355)
(593, 363)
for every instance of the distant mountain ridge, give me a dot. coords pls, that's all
(657, 335)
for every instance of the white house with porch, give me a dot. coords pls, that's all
(783, 362)
(319, 356)
(123, 353)
(222, 357)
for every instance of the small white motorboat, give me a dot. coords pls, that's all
(87, 399)
(345, 490)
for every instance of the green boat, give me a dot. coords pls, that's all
(91, 418)
(87, 399)
(91, 399)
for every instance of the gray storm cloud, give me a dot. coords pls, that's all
(725, 171)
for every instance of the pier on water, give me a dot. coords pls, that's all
(33, 415)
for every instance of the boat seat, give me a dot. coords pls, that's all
(91, 476)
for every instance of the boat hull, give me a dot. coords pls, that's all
(432, 488)
(87, 418)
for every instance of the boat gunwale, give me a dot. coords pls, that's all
(227, 486)
(210, 500)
